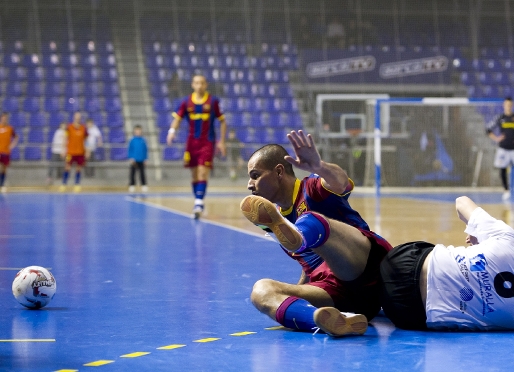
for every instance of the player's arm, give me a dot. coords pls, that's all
(223, 134)
(334, 178)
(14, 141)
(496, 138)
(173, 128)
(465, 206)
(490, 130)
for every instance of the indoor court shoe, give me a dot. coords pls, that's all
(506, 195)
(336, 324)
(3, 189)
(197, 211)
(132, 189)
(62, 188)
(77, 188)
(144, 189)
(263, 213)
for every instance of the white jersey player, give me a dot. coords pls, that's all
(445, 288)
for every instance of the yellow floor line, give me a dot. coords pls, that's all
(242, 333)
(135, 355)
(98, 363)
(170, 347)
(207, 339)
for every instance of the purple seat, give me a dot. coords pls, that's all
(34, 89)
(98, 118)
(114, 120)
(11, 104)
(92, 74)
(35, 136)
(110, 75)
(116, 136)
(99, 154)
(51, 60)
(164, 120)
(37, 119)
(112, 104)
(15, 152)
(92, 89)
(173, 153)
(107, 61)
(71, 104)
(14, 89)
(111, 90)
(91, 105)
(54, 89)
(118, 153)
(159, 90)
(162, 105)
(12, 60)
(56, 118)
(55, 74)
(31, 104)
(70, 60)
(36, 74)
(52, 104)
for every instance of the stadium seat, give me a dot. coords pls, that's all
(37, 119)
(56, 118)
(14, 89)
(11, 104)
(91, 105)
(55, 74)
(118, 153)
(54, 89)
(114, 119)
(35, 136)
(34, 89)
(164, 120)
(31, 104)
(111, 90)
(112, 104)
(71, 104)
(15, 152)
(159, 90)
(92, 90)
(51, 60)
(116, 136)
(162, 105)
(173, 153)
(35, 74)
(97, 117)
(52, 104)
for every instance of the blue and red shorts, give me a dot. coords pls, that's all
(5, 159)
(199, 152)
(80, 160)
(362, 295)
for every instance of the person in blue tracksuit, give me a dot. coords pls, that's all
(137, 154)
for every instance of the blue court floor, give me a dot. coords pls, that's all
(144, 289)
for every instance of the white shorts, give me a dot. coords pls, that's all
(503, 158)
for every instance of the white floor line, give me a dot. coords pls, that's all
(188, 215)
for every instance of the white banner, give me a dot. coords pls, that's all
(413, 67)
(340, 67)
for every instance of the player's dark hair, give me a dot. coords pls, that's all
(5, 113)
(271, 156)
(137, 126)
(509, 98)
(89, 120)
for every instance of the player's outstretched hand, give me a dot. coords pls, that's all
(169, 138)
(307, 156)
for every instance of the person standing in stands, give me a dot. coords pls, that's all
(8, 141)
(200, 109)
(58, 152)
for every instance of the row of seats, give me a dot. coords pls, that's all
(55, 104)
(36, 135)
(54, 119)
(52, 46)
(247, 76)
(37, 153)
(13, 60)
(228, 62)
(59, 74)
(489, 91)
(484, 65)
(487, 78)
(161, 90)
(70, 89)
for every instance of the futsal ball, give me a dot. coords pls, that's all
(34, 287)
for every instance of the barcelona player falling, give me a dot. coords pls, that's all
(315, 225)
(200, 109)
(76, 134)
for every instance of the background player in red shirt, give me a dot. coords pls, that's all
(200, 109)
(76, 135)
(315, 225)
(8, 141)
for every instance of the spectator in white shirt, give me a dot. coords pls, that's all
(93, 141)
(58, 153)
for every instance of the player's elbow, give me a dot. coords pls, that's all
(462, 201)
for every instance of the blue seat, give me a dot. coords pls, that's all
(11, 104)
(228, 105)
(111, 90)
(12, 60)
(15, 152)
(14, 89)
(118, 153)
(18, 119)
(35, 136)
(71, 104)
(37, 119)
(55, 74)
(159, 90)
(51, 60)
(70, 60)
(34, 89)
(31, 104)
(110, 75)
(116, 136)
(97, 117)
(99, 154)
(75, 74)
(164, 119)
(112, 104)
(92, 74)
(56, 118)
(107, 61)
(91, 105)
(36, 74)
(92, 89)
(173, 153)
(114, 120)
(54, 89)
(52, 104)
(162, 105)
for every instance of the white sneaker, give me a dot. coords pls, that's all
(144, 188)
(132, 189)
(506, 195)
(3, 190)
(337, 324)
(197, 211)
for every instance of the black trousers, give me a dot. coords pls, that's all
(138, 165)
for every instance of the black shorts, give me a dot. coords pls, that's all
(400, 296)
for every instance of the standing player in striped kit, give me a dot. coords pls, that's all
(200, 109)
(76, 135)
(8, 141)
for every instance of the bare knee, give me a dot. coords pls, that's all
(265, 296)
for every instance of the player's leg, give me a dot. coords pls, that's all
(343, 247)
(3, 173)
(132, 177)
(200, 176)
(80, 163)
(305, 308)
(66, 173)
(501, 161)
